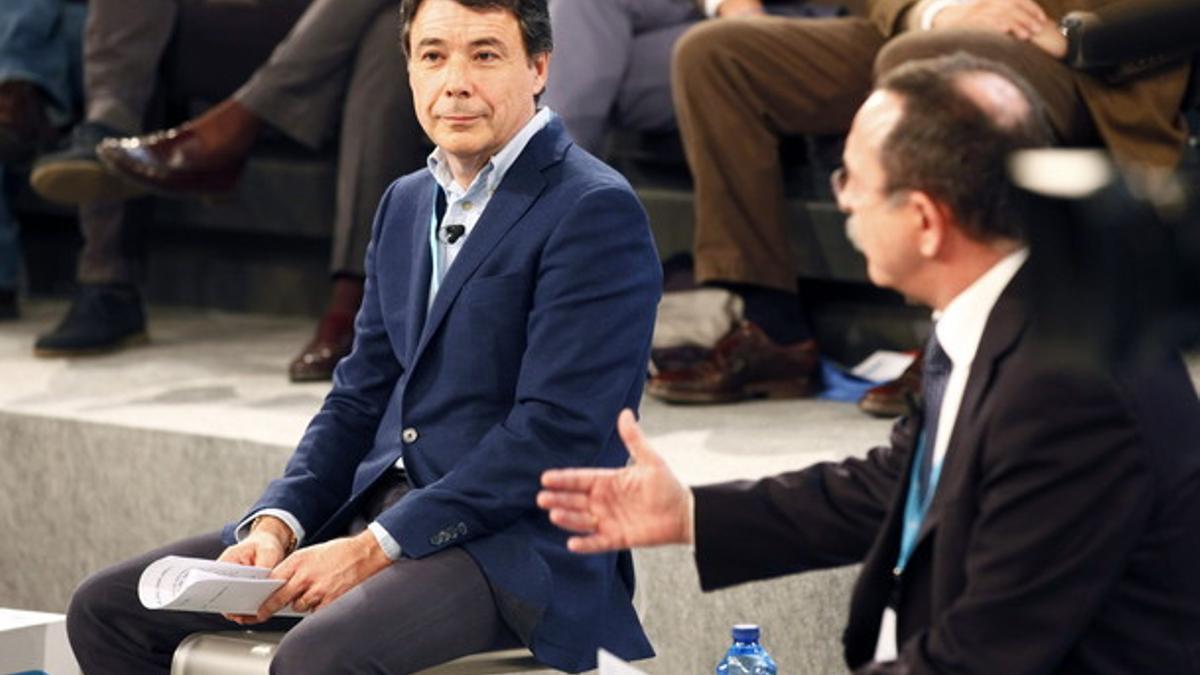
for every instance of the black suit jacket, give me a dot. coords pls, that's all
(1064, 535)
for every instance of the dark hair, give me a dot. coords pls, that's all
(947, 145)
(533, 17)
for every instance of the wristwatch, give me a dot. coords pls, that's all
(1071, 26)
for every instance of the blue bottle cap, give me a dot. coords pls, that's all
(745, 632)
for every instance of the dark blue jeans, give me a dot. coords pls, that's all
(40, 42)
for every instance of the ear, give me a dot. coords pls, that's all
(541, 68)
(933, 225)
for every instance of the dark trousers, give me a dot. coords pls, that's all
(412, 615)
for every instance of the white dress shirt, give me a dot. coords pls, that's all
(959, 327)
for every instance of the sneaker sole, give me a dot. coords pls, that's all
(125, 342)
(79, 182)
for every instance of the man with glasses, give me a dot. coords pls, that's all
(1033, 518)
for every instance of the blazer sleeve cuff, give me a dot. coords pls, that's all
(243, 528)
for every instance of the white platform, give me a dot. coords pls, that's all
(35, 641)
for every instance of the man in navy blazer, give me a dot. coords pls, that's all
(509, 304)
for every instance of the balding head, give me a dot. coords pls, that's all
(962, 117)
(998, 97)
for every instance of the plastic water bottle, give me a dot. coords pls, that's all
(746, 656)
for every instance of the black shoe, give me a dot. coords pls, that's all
(102, 318)
(74, 175)
(8, 305)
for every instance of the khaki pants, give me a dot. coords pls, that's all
(740, 85)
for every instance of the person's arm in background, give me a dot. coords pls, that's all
(1024, 20)
(731, 8)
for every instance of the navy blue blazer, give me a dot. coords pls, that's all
(539, 335)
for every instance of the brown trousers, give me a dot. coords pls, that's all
(739, 85)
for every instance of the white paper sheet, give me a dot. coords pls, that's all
(883, 366)
(199, 585)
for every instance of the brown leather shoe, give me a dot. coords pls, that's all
(743, 364)
(895, 398)
(334, 338)
(24, 126)
(175, 161)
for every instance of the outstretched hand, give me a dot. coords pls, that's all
(643, 504)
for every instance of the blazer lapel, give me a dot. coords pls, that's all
(520, 188)
(422, 268)
(1004, 325)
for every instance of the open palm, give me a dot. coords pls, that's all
(643, 504)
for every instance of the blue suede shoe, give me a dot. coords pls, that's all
(73, 174)
(103, 318)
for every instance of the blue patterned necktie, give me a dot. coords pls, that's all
(934, 373)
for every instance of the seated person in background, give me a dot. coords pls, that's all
(617, 72)
(39, 91)
(742, 85)
(489, 348)
(339, 62)
(1034, 519)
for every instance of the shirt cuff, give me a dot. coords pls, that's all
(711, 6)
(930, 12)
(243, 528)
(391, 548)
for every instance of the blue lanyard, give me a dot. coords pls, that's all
(915, 507)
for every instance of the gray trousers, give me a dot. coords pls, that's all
(412, 615)
(612, 68)
(341, 64)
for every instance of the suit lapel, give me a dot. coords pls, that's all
(520, 188)
(422, 268)
(1005, 324)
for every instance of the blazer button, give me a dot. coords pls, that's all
(409, 436)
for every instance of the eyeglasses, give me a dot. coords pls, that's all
(839, 179)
